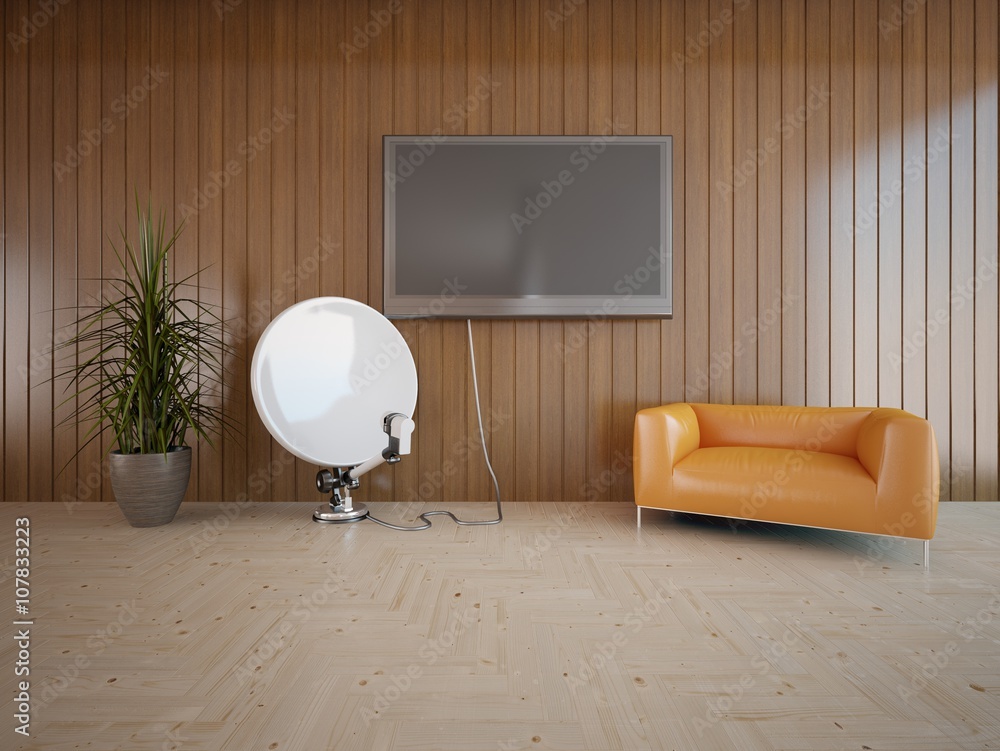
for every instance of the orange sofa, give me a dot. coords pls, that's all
(874, 471)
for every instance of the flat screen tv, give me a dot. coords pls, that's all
(527, 226)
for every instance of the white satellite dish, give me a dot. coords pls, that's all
(335, 384)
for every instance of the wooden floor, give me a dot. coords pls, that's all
(563, 628)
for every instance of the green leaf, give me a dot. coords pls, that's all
(149, 361)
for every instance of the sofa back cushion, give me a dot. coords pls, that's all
(830, 430)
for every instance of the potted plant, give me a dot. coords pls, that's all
(148, 360)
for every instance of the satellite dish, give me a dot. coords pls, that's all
(335, 384)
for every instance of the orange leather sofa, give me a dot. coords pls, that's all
(861, 470)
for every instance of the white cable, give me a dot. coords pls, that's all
(486, 456)
(479, 415)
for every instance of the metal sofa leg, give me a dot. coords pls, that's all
(927, 553)
(638, 517)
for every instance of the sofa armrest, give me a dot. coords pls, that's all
(899, 451)
(662, 437)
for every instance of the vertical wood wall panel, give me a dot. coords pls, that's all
(890, 214)
(866, 202)
(844, 156)
(115, 200)
(791, 127)
(65, 197)
(914, 199)
(721, 193)
(187, 178)
(89, 239)
(234, 243)
(938, 236)
(40, 264)
(282, 154)
(985, 208)
(17, 353)
(647, 343)
(770, 292)
(963, 272)
(842, 207)
(307, 167)
(258, 281)
(623, 332)
(214, 178)
(745, 205)
(817, 247)
(672, 121)
(4, 126)
(697, 230)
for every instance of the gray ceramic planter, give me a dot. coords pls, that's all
(149, 488)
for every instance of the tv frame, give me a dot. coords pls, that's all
(450, 304)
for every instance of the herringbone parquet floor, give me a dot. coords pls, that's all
(563, 628)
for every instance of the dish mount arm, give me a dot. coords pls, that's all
(340, 481)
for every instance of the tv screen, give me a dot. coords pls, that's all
(527, 226)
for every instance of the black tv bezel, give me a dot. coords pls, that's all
(450, 305)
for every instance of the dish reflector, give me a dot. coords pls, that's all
(325, 373)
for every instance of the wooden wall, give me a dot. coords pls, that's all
(835, 212)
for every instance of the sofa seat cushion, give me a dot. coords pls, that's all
(775, 484)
